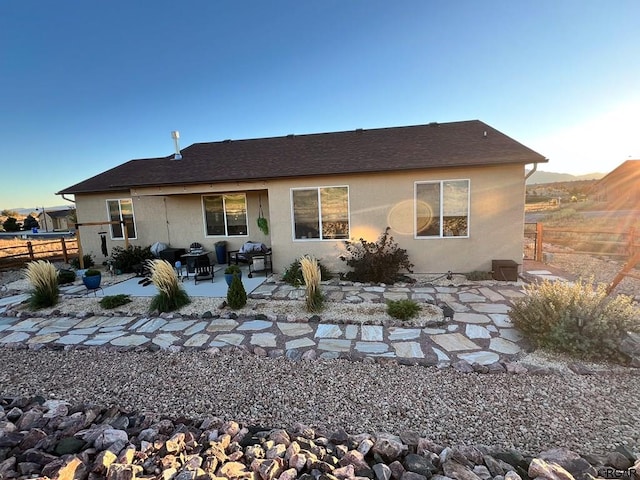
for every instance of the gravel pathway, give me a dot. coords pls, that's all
(588, 414)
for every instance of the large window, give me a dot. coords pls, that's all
(320, 213)
(225, 215)
(442, 209)
(121, 210)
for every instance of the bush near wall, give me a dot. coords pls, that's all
(128, 259)
(376, 262)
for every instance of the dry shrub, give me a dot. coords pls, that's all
(577, 318)
(312, 276)
(171, 296)
(43, 278)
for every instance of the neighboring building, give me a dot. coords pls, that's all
(620, 188)
(56, 220)
(452, 193)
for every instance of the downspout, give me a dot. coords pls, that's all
(526, 177)
(67, 199)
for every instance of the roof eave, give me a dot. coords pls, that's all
(122, 187)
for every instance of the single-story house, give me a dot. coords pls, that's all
(56, 220)
(452, 194)
(620, 188)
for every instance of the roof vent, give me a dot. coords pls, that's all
(176, 135)
(358, 130)
(228, 140)
(291, 135)
(434, 124)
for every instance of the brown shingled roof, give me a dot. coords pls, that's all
(356, 151)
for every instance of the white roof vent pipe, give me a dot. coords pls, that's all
(176, 136)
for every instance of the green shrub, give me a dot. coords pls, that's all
(126, 259)
(113, 301)
(236, 295)
(171, 296)
(379, 262)
(66, 276)
(92, 273)
(87, 260)
(43, 278)
(11, 225)
(575, 318)
(402, 309)
(293, 274)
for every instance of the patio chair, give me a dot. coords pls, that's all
(203, 269)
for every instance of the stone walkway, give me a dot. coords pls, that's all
(480, 331)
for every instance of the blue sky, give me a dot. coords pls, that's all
(85, 86)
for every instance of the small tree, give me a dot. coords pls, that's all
(11, 225)
(236, 295)
(30, 222)
(379, 262)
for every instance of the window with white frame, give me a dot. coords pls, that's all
(121, 210)
(442, 209)
(225, 215)
(320, 213)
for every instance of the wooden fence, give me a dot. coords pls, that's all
(614, 243)
(22, 252)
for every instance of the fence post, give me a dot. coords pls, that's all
(80, 254)
(64, 250)
(538, 254)
(30, 249)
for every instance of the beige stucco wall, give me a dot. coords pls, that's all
(175, 219)
(174, 216)
(496, 218)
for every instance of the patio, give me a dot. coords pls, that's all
(480, 331)
(205, 288)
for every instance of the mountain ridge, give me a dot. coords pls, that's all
(540, 176)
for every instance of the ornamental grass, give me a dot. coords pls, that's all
(171, 296)
(43, 278)
(314, 299)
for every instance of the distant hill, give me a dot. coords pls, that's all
(26, 211)
(552, 177)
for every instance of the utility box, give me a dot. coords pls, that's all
(504, 270)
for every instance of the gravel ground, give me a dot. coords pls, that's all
(589, 414)
(601, 269)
